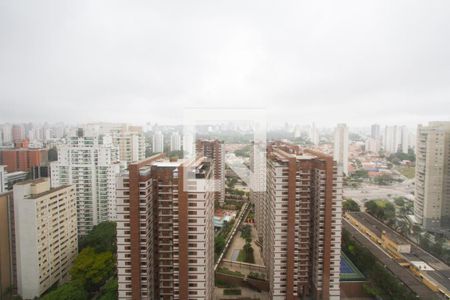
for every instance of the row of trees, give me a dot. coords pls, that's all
(93, 271)
(221, 238)
(247, 252)
(381, 283)
(381, 209)
(395, 217)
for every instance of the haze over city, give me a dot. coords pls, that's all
(324, 62)
(219, 150)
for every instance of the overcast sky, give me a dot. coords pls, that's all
(385, 61)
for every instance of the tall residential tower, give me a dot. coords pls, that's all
(300, 220)
(432, 198)
(165, 234)
(341, 146)
(91, 164)
(214, 150)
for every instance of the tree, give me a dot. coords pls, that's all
(70, 291)
(102, 238)
(92, 269)
(403, 227)
(361, 174)
(246, 232)
(350, 205)
(384, 179)
(248, 253)
(381, 209)
(399, 201)
(109, 291)
(219, 244)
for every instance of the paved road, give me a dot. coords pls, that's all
(406, 276)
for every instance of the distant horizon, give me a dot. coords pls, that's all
(271, 125)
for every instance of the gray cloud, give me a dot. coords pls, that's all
(324, 61)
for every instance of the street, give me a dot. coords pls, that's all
(405, 275)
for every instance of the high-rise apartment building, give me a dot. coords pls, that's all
(175, 141)
(45, 235)
(2, 179)
(258, 167)
(300, 220)
(397, 139)
(18, 132)
(8, 280)
(129, 139)
(91, 164)
(392, 139)
(158, 142)
(375, 131)
(165, 234)
(6, 134)
(214, 150)
(314, 135)
(341, 146)
(432, 197)
(22, 157)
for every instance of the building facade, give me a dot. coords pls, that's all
(91, 164)
(175, 141)
(300, 219)
(165, 233)
(8, 279)
(432, 195)
(214, 150)
(158, 142)
(45, 235)
(3, 179)
(129, 139)
(341, 146)
(23, 158)
(375, 131)
(6, 134)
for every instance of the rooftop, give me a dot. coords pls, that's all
(50, 191)
(378, 228)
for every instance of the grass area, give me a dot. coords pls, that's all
(241, 256)
(222, 284)
(408, 172)
(230, 292)
(247, 257)
(229, 272)
(382, 203)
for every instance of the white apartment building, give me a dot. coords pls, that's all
(91, 164)
(314, 135)
(300, 219)
(6, 134)
(45, 235)
(175, 141)
(129, 139)
(2, 179)
(165, 234)
(432, 196)
(375, 132)
(341, 146)
(158, 142)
